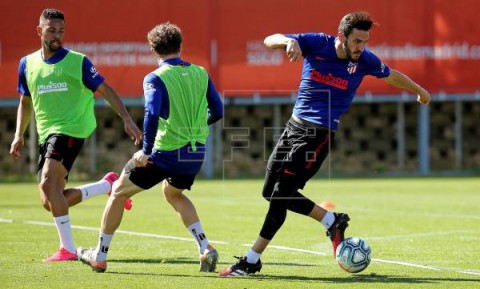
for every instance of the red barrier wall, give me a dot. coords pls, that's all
(435, 42)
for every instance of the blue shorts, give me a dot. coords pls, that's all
(150, 175)
(183, 161)
(178, 167)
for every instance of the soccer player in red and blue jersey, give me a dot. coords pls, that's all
(333, 68)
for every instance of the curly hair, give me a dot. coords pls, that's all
(359, 20)
(165, 38)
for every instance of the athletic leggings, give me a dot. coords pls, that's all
(298, 155)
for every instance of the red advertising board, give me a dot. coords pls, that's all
(435, 42)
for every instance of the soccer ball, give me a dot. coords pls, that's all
(353, 255)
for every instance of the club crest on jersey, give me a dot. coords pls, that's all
(352, 67)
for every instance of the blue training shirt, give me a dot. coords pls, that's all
(329, 83)
(182, 161)
(90, 76)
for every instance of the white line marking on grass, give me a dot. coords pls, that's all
(126, 232)
(420, 235)
(291, 249)
(470, 272)
(165, 237)
(406, 264)
(401, 213)
(284, 248)
(5, 220)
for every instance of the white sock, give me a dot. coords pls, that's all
(102, 248)
(94, 189)
(252, 257)
(64, 230)
(197, 232)
(328, 220)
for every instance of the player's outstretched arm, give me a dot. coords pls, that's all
(400, 80)
(24, 114)
(276, 41)
(114, 100)
(280, 41)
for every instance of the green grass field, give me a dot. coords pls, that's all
(424, 233)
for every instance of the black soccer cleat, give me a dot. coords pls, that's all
(241, 268)
(336, 232)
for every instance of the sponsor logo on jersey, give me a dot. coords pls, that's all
(52, 87)
(93, 71)
(149, 87)
(329, 79)
(352, 67)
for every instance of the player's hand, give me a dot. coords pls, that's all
(133, 131)
(424, 97)
(293, 50)
(140, 158)
(16, 147)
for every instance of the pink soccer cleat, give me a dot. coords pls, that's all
(62, 255)
(128, 204)
(111, 177)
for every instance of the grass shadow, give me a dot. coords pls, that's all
(183, 260)
(365, 278)
(156, 261)
(354, 278)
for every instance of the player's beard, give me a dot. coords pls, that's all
(348, 52)
(53, 47)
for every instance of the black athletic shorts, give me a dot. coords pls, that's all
(60, 147)
(150, 175)
(300, 151)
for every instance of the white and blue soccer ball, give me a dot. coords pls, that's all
(353, 255)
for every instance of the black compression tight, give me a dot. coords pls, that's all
(282, 193)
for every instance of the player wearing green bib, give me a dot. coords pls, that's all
(180, 102)
(58, 85)
(62, 103)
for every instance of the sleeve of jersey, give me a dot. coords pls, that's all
(153, 90)
(376, 67)
(215, 104)
(90, 76)
(309, 42)
(22, 86)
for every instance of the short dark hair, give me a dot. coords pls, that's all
(165, 38)
(359, 20)
(51, 14)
